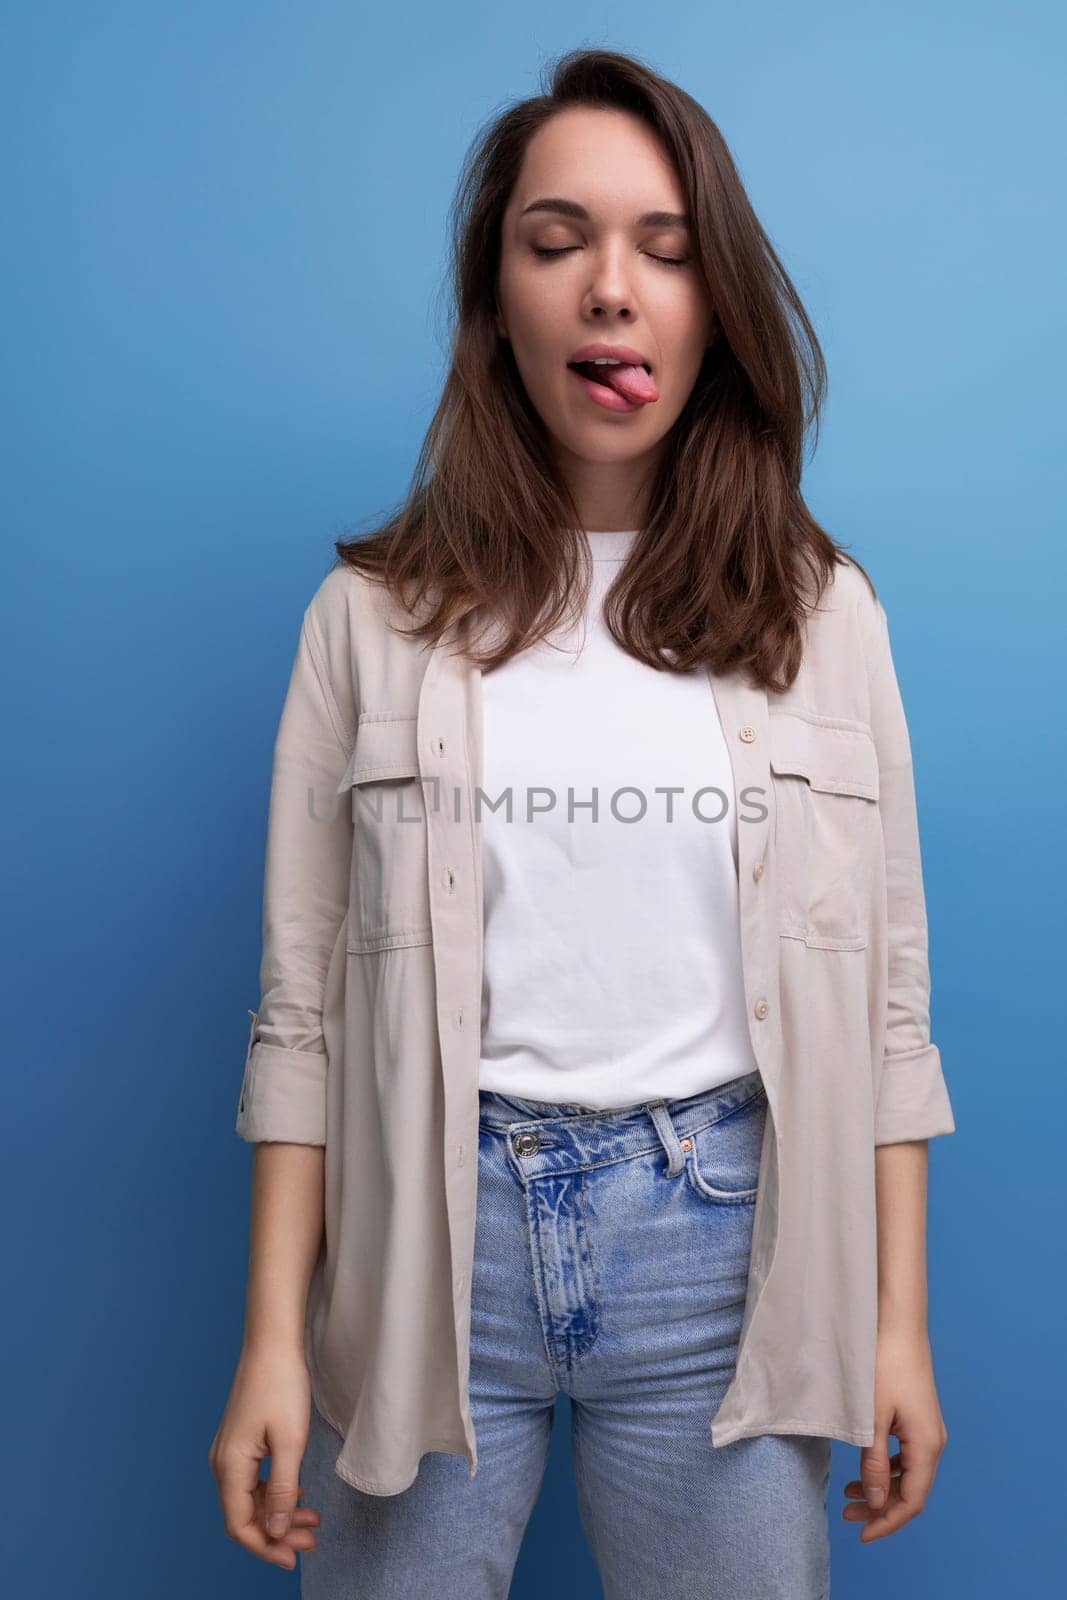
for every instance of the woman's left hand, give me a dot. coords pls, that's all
(893, 1489)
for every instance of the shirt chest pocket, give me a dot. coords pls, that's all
(389, 894)
(827, 829)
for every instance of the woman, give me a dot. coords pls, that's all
(601, 1096)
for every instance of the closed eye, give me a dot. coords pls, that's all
(668, 261)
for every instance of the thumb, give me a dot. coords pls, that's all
(874, 1468)
(283, 1489)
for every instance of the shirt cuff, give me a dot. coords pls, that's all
(283, 1094)
(913, 1100)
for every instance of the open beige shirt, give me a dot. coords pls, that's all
(367, 1037)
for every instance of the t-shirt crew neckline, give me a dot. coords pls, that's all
(612, 545)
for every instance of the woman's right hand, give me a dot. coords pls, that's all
(268, 1414)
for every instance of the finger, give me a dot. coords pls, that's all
(238, 1481)
(885, 1520)
(302, 1531)
(881, 1524)
(875, 1523)
(860, 1511)
(238, 1478)
(920, 1464)
(854, 1487)
(874, 1465)
(303, 1516)
(907, 1500)
(283, 1485)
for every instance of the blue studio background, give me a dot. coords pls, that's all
(223, 244)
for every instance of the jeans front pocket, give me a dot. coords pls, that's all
(389, 892)
(722, 1159)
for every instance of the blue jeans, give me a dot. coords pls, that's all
(611, 1261)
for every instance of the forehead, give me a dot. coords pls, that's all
(608, 161)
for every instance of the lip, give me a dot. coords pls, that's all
(610, 352)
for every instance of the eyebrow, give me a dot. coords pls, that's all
(571, 208)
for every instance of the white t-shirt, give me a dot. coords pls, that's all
(612, 967)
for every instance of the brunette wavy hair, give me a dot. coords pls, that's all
(729, 555)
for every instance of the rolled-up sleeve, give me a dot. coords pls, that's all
(305, 899)
(913, 1100)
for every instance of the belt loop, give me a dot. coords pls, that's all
(661, 1117)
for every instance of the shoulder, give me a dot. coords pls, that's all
(849, 613)
(359, 636)
(349, 612)
(849, 588)
(343, 596)
(840, 645)
(342, 617)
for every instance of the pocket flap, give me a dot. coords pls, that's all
(387, 748)
(831, 758)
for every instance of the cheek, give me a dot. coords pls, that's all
(533, 327)
(532, 303)
(536, 364)
(684, 325)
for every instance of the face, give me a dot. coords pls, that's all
(619, 278)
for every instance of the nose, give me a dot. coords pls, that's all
(610, 294)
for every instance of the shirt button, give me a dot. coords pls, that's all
(748, 733)
(761, 1008)
(757, 871)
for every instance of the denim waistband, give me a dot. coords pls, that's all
(586, 1133)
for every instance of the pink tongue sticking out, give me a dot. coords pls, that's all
(633, 382)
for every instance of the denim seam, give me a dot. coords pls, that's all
(588, 1250)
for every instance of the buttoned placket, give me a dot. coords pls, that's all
(448, 735)
(449, 739)
(744, 715)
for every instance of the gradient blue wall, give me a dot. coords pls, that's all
(224, 234)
